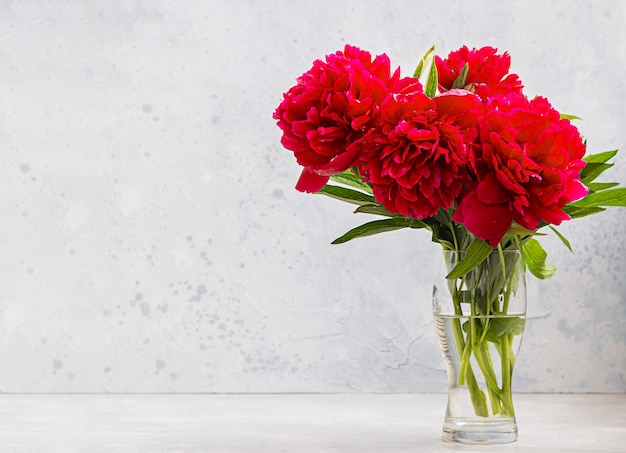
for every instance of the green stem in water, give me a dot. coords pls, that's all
(508, 360)
(481, 353)
(456, 243)
(466, 374)
(494, 392)
(475, 340)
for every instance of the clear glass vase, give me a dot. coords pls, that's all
(479, 319)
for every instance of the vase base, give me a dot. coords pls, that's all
(480, 432)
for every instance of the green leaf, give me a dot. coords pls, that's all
(440, 236)
(576, 212)
(432, 82)
(600, 157)
(513, 325)
(375, 209)
(517, 229)
(592, 170)
(347, 195)
(598, 186)
(565, 116)
(534, 257)
(459, 82)
(349, 178)
(414, 223)
(371, 228)
(562, 238)
(420, 66)
(476, 253)
(498, 326)
(610, 197)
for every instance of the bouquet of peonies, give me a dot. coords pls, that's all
(465, 154)
(460, 151)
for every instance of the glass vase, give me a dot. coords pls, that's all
(479, 320)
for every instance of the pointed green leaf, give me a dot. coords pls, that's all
(512, 325)
(420, 66)
(375, 209)
(610, 197)
(600, 157)
(371, 228)
(562, 238)
(498, 326)
(476, 253)
(347, 195)
(517, 229)
(437, 236)
(349, 178)
(432, 82)
(596, 165)
(534, 257)
(459, 82)
(598, 186)
(592, 170)
(565, 116)
(414, 223)
(576, 212)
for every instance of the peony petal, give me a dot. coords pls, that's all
(342, 161)
(490, 191)
(485, 221)
(456, 102)
(310, 181)
(576, 190)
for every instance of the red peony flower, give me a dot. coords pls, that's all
(527, 167)
(332, 106)
(487, 75)
(422, 155)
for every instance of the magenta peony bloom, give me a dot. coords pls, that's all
(487, 75)
(422, 155)
(527, 168)
(331, 108)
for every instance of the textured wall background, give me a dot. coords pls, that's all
(151, 237)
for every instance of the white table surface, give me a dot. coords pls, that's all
(293, 423)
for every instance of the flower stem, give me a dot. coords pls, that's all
(507, 367)
(466, 376)
(483, 357)
(486, 292)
